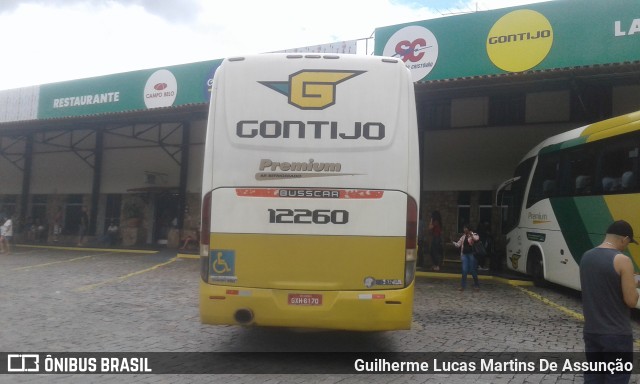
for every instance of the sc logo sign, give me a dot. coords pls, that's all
(417, 47)
(407, 50)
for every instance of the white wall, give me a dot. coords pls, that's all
(545, 107)
(470, 112)
(478, 158)
(10, 174)
(196, 158)
(471, 156)
(626, 99)
(57, 170)
(60, 173)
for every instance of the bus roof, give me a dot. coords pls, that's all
(588, 133)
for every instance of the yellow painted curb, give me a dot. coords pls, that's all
(442, 275)
(52, 263)
(63, 248)
(550, 303)
(187, 256)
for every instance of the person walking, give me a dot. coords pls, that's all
(608, 291)
(469, 262)
(6, 236)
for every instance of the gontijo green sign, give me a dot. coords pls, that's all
(555, 34)
(139, 90)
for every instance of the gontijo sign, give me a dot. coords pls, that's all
(554, 34)
(519, 40)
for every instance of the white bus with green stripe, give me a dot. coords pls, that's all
(566, 192)
(310, 193)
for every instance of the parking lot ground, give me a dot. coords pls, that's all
(97, 300)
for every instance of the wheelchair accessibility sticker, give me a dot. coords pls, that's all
(222, 265)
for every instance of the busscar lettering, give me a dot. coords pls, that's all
(312, 193)
(274, 129)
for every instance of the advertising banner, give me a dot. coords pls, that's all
(554, 34)
(139, 90)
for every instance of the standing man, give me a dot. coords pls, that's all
(608, 291)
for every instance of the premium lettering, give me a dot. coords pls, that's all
(310, 166)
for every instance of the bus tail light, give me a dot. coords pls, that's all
(411, 241)
(205, 237)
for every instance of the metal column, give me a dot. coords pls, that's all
(184, 170)
(97, 177)
(26, 178)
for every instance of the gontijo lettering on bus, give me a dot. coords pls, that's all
(273, 129)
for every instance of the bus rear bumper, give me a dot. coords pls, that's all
(344, 310)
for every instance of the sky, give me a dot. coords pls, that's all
(48, 41)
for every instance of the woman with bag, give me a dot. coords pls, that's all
(469, 262)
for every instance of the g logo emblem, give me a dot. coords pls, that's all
(312, 89)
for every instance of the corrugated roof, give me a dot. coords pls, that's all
(595, 69)
(137, 115)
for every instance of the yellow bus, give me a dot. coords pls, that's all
(566, 192)
(310, 193)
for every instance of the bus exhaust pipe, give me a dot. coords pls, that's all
(243, 316)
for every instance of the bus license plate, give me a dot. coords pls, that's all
(304, 299)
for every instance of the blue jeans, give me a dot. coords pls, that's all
(608, 348)
(469, 264)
